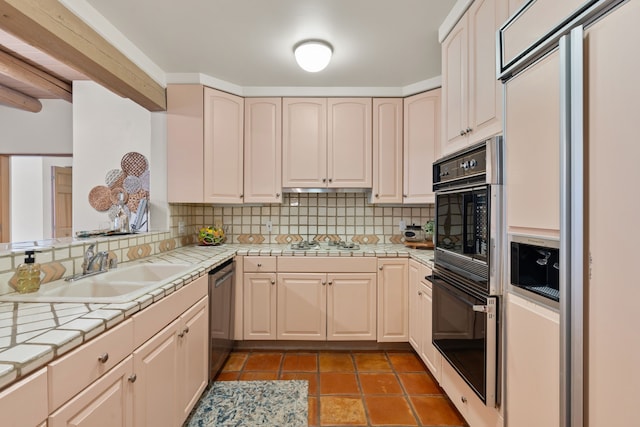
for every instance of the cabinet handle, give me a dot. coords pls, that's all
(132, 378)
(103, 358)
(464, 399)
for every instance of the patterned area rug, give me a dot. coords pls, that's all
(252, 403)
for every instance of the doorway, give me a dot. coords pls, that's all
(62, 202)
(5, 198)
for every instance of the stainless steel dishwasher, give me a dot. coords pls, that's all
(221, 314)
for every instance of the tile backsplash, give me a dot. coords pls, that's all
(348, 216)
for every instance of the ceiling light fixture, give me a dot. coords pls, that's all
(313, 55)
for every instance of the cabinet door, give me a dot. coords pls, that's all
(193, 367)
(351, 307)
(533, 364)
(393, 300)
(485, 91)
(105, 403)
(428, 352)
(223, 147)
(415, 314)
(421, 135)
(155, 363)
(25, 402)
(304, 142)
(259, 306)
(387, 150)
(349, 142)
(185, 136)
(262, 150)
(454, 88)
(532, 149)
(302, 302)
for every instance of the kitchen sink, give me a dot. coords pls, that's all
(114, 286)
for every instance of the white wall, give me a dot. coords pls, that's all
(105, 127)
(47, 132)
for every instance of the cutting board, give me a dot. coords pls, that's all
(427, 244)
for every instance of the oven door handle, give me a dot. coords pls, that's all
(483, 308)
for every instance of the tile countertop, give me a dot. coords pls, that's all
(33, 334)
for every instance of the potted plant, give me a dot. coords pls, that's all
(429, 230)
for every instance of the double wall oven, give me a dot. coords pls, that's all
(467, 264)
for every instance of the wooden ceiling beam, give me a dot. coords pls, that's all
(16, 99)
(55, 30)
(19, 70)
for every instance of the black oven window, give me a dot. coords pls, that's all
(450, 222)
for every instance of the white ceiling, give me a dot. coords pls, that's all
(249, 43)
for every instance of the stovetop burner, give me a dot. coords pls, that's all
(345, 246)
(305, 245)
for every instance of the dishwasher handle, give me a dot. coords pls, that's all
(220, 280)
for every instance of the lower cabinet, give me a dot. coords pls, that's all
(259, 308)
(108, 402)
(420, 320)
(321, 306)
(532, 363)
(393, 300)
(25, 402)
(171, 369)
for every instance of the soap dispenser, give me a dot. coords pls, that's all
(28, 274)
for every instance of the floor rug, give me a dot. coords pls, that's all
(252, 403)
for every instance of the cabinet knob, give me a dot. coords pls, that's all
(463, 399)
(377, 195)
(324, 179)
(330, 179)
(242, 196)
(330, 282)
(103, 358)
(324, 283)
(132, 378)
(419, 293)
(186, 330)
(380, 268)
(462, 133)
(273, 282)
(277, 195)
(468, 130)
(259, 265)
(405, 196)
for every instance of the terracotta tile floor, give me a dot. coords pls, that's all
(358, 388)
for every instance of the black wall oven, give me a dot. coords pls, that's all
(467, 273)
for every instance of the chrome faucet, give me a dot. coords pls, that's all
(94, 263)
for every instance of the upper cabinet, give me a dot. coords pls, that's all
(421, 136)
(387, 150)
(204, 145)
(262, 150)
(326, 143)
(471, 93)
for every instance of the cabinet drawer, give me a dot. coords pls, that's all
(158, 315)
(75, 371)
(25, 402)
(296, 264)
(257, 264)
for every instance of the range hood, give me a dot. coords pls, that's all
(325, 190)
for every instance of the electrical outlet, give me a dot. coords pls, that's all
(403, 225)
(181, 229)
(269, 226)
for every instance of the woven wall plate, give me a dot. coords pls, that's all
(100, 198)
(132, 184)
(145, 180)
(134, 199)
(134, 163)
(113, 177)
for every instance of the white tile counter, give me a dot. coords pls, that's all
(33, 334)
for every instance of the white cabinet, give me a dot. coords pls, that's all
(393, 300)
(532, 149)
(319, 306)
(326, 298)
(25, 402)
(420, 317)
(387, 150)
(172, 369)
(326, 142)
(421, 137)
(532, 363)
(108, 402)
(259, 308)
(204, 145)
(262, 150)
(471, 94)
